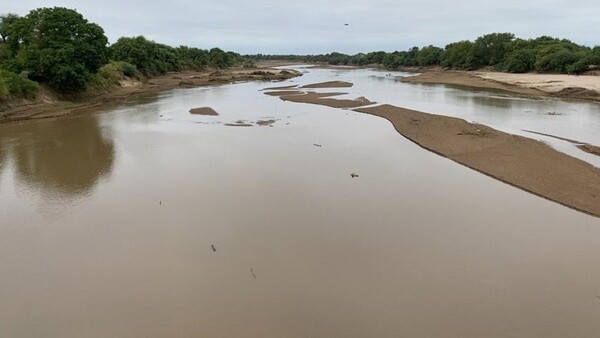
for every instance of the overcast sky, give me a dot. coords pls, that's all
(318, 26)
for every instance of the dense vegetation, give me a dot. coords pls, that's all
(58, 46)
(500, 51)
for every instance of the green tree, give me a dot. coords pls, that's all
(490, 49)
(6, 23)
(149, 57)
(60, 46)
(459, 55)
(429, 56)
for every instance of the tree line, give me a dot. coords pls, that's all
(498, 51)
(58, 46)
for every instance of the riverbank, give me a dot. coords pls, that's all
(584, 87)
(525, 163)
(49, 105)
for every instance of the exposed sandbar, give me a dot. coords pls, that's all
(326, 100)
(204, 111)
(522, 162)
(238, 124)
(264, 123)
(329, 84)
(284, 92)
(589, 148)
(278, 88)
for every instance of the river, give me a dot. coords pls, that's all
(143, 220)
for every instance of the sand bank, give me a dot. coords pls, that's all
(284, 92)
(204, 111)
(325, 99)
(522, 162)
(329, 84)
(279, 88)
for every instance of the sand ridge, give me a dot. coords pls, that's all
(519, 161)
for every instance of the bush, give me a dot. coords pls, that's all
(558, 61)
(127, 69)
(14, 86)
(520, 61)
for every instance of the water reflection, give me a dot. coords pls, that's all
(61, 157)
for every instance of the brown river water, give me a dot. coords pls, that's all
(146, 221)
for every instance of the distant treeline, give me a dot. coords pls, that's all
(58, 46)
(501, 51)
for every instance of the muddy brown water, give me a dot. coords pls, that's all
(108, 222)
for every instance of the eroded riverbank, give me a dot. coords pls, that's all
(585, 87)
(51, 108)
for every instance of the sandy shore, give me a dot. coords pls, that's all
(555, 85)
(519, 161)
(48, 107)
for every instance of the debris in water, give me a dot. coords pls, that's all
(317, 145)
(353, 175)
(213, 248)
(252, 272)
(160, 203)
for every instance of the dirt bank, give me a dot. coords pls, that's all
(48, 106)
(522, 162)
(585, 87)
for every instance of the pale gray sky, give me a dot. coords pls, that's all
(317, 26)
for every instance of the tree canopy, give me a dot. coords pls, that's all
(58, 45)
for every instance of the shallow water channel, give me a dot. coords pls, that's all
(143, 220)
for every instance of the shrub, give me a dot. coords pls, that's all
(14, 86)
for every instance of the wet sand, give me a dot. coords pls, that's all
(554, 85)
(329, 84)
(204, 111)
(519, 161)
(48, 106)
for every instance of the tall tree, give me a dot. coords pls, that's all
(60, 46)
